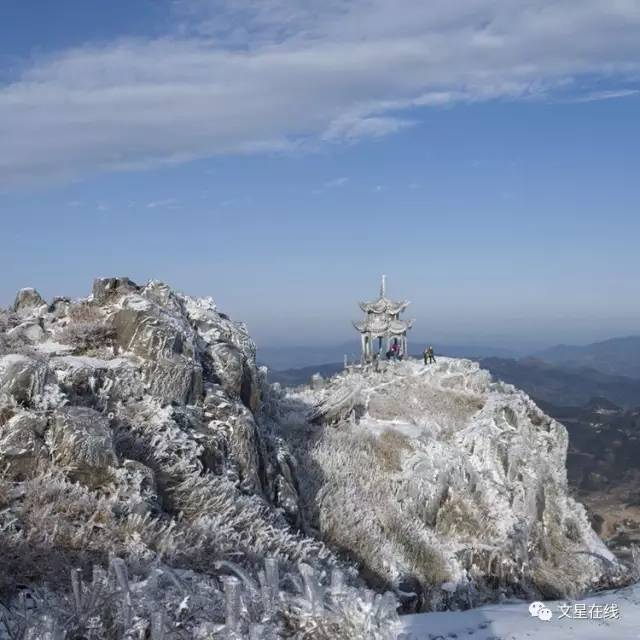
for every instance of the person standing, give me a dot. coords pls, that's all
(430, 355)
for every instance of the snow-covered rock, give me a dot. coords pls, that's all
(22, 445)
(443, 483)
(22, 378)
(81, 441)
(28, 300)
(130, 427)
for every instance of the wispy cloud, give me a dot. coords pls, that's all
(336, 183)
(167, 203)
(607, 95)
(249, 76)
(240, 201)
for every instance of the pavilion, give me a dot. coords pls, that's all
(382, 321)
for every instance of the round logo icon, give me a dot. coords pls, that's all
(538, 610)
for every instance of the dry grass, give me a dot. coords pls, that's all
(85, 312)
(389, 447)
(427, 562)
(457, 517)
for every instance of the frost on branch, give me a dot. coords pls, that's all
(170, 604)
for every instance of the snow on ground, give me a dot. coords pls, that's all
(52, 348)
(514, 622)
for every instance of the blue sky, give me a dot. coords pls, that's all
(280, 156)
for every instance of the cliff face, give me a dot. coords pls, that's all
(137, 432)
(443, 483)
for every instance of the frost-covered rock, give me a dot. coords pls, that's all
(96, 381)
(27, 331)
(81, 441)
(22, 378)
(28, 300)
(105, 288)
(22, 445)
(130, 425)
(443, 483)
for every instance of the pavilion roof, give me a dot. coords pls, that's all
(383, 325)
(384, 306)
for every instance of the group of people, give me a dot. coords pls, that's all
(394, 353)
(429, 356)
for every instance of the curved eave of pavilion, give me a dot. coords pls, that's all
(384, 305)
(360, 325)
(391, 328)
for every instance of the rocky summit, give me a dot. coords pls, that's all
(154, 482)
(444, 483)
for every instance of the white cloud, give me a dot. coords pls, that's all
(336, 183)
(249, 76)
(168, 203)
(607, 95)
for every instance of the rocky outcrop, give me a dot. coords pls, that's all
(81, 442)
(27, 301)
(22, 379)
(110, 288)
(443, 483)
(132, 435)
(22, 445)
(138, 391)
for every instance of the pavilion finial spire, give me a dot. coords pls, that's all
(383, 286)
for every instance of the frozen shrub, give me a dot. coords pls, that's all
(14, 343)
(175, 605)
(86, 329)
(86, 336)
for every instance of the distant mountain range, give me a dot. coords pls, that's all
(295, 377)
(564, 386)
(617, 356)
